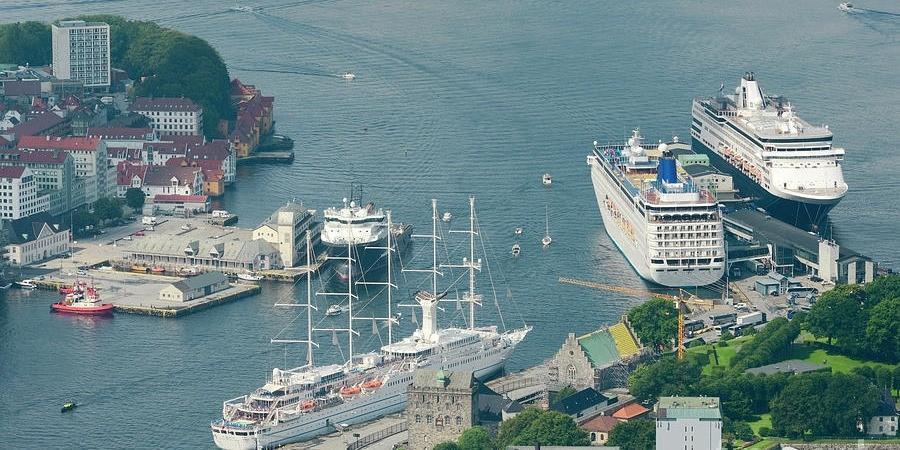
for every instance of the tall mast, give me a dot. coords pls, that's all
(310, 343)
(350, 292)
(309, 307)
(390, 257)
(434, 266)
(428, 300)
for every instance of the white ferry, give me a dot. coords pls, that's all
(301, 403)
(669, 230)
(788, 165)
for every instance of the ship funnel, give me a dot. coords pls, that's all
(666, 170)
(749, 95)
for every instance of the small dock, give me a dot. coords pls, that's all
(169, 309)
(268, 157)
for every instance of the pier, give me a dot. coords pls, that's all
(271, 157)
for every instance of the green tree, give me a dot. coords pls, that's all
(25, 43)
(655, 322)
(82, 218)
(562, 395)
(446, 446)
(534, 426)
(667, 376)
(633, 435)
(823, 404)
(135, 198)
(883, 288)
(107, 209)
(768, 346)
(840, 315)
(476, 438)
(882, 329)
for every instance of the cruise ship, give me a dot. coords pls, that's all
(789, 166)
(363, 231)
(669, 230)
(301, 403)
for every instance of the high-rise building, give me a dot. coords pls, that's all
(690, 423)
(19, 194)
(81, 52)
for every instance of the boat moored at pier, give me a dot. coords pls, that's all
(789, 166)
(669, 230)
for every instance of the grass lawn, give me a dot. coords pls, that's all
(725, 353)
(765, 420)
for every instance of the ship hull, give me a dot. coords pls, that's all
(796, 212)
(385, 401)
(628, 231)
(366, 258)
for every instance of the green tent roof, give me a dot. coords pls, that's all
(599, 347)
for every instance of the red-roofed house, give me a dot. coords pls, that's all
(20, 193)
(255, 115)
(121, 136)
(630, 411)
(129, 175)
(213, 177)
(173, 180)
(46, 123)
(91, 161)
(599, 428)
(180, 203)
(171, 116)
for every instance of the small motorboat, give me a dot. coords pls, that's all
(516, 249)
(68, 406)
(26, 284)
(447, 217)
(546, 241)
(519, 231)
(336, 310)
(846, 7)
(87, 302)
(349, 76)
(547, 180)
(249, 276)
(241, 8)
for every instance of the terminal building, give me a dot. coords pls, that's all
(805, 251)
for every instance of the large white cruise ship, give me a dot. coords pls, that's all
(788, 165)
(304, 402)
(669, 230)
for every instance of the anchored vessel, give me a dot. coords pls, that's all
(303, 402)
(789, 165)
(360, 232)
(669, 230)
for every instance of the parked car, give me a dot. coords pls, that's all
(139, 233)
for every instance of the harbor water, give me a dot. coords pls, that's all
(450, 98)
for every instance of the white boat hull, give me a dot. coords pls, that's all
(634, 244)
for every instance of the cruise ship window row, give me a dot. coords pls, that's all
(701, 227)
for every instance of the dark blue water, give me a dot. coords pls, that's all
(451, 98)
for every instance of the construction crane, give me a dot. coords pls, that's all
(680, 300)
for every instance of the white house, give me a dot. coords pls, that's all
(173, 180)
(286, 229)
(688, 423)
(171, 116)
(35, 238)
(884, 422)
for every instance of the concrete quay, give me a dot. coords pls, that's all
(139, 293)
(347, 439)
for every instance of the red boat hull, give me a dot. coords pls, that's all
(102, 309)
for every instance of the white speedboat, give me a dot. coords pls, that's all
(516, 249)
(447, 217)
(547, 179)
(348, 76)
(249, 276)
(546, 240)
(26, 284)
(519, 231)
(846, 7)
(336, 310)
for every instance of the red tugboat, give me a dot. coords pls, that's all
(83, 301)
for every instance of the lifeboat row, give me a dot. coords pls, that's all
(368, 386)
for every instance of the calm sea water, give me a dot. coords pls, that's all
(451, 98)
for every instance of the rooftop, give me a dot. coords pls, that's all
(781, 233)
(457, 380)
(37, 124)
(163, 175)
(121, 133)
(176, 198)
(34, 156)
(200, 281)
(702, 408)
(630, 411)
(608, 345)
(11, 171)
(603, 424)
(69, 143)
(790, 366)
(697, 170)
(580, 401)
(29, 228)
(227, 247)
(164, 104)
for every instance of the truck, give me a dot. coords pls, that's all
(148, 220)
(723, 318)
(751, 319)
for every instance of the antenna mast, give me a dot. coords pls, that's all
(470, 264)
(310, 343)
(390, 282)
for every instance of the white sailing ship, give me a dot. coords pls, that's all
(303, 402)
